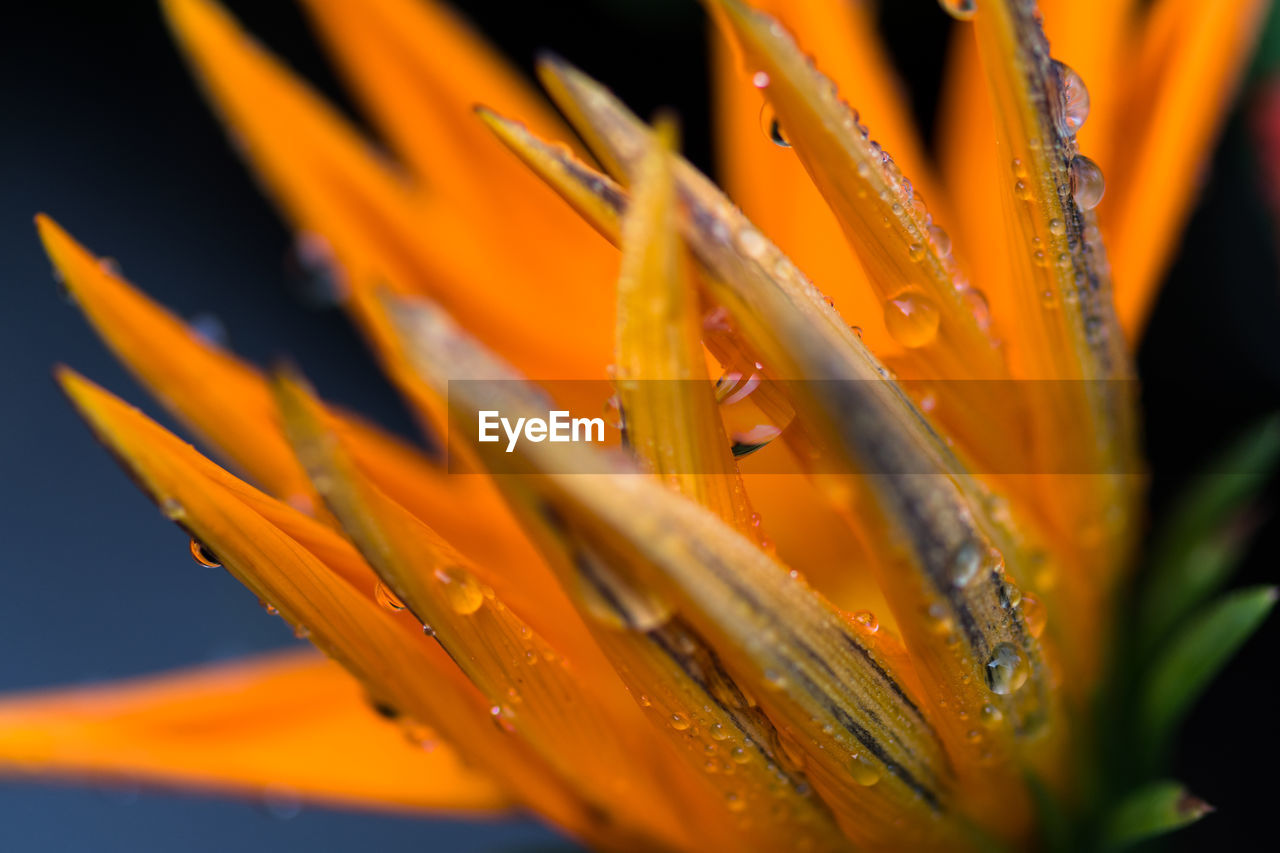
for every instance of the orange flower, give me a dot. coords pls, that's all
(675, 647)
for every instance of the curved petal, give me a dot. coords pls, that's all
(1190, 58)
(288, 724)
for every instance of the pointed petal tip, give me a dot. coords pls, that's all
(184, 16)
(80, 391)
(1193, 808)
(53, 236)
(555, 72)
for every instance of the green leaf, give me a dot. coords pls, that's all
(1202, 540)
(1267, 60)
(1191, 660)
(1152, 810)
(1056, 830)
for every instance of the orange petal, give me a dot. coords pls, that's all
(772, 186)
(580, 723)
(818, 678)
(384, 650)
(229, 404)
(664, 393)
(286, 724)
(329, 182)
(419, 69)
(802, 526)
(221, 399)
(1190, 58)
(1093, 38)
(932, 312)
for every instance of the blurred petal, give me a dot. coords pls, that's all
(925, 501)
(1094, 38)
(1085, 416)
(228, 403)
(869, 748)
(768, 181)
(385, 651)
(932, 313)
(1190, 58)
(290, 725)
(663, 662)
(802, 526)
(575, 722)
(329, 182)
(218, 397)
(419, 68)
(665, 396)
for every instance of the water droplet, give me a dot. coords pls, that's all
(916, 251)
(752, 243)
(912, 318)
(941, 240)
(464, 594)
(772, 129)
(417, 735)
(732, 388)
(281, 803)
(613, 414)
(760, 79)
(502, 716)
(203, 555)
(1033, 615)
(386, 598)
(747, 442)
(1007, 669)
(1087, 184)
(734, 802)
(679, 722)
(738, 755)
(301, 632)
(1022, 189)
(775, 679)
(1057, 226)
(977, 302)
(208, 329)
(939, 620)
(1073, 100)
(321, 282)
(863, 771)
(867, 620)
(65, 294)
(991, 716)
(717, 320)
(960, 9)
(172, 509)
(965, 563)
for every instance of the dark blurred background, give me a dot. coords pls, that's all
(103, 129)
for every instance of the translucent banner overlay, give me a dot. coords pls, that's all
(579, 426)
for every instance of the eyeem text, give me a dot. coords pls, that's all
(557, 427)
